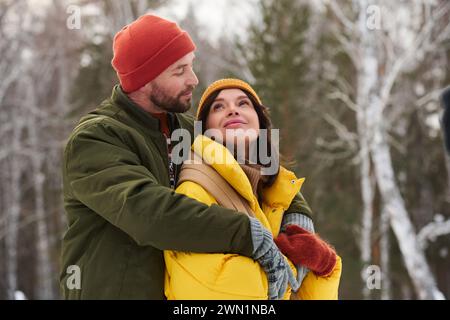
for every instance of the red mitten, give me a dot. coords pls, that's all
(305, 248)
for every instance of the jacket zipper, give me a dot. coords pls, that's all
(172, 167)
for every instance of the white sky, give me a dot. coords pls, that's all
(216, 16)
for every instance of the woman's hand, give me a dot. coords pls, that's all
(305, 248)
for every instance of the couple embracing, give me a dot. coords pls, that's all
(223, 224)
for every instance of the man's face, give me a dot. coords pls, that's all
(172, 90)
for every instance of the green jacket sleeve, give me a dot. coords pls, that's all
(299, 205)
(107, 177)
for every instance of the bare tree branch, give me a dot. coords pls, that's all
(339, 95)
(432, 230)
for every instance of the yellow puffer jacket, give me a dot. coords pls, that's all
(214, 276)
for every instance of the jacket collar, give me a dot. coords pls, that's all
(283, 190)
(280, 193)
(221, 159)
(136, 112)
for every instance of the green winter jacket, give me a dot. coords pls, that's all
(122, 213)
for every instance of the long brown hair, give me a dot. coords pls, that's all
(264, 123)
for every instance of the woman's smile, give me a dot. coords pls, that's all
(234, 123)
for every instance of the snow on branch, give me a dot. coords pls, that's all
(341, 129)
(419, 43)
(338, 95)
(432, 230)
(346, 140)
(346, 22)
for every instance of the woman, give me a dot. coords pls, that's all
(233, 116)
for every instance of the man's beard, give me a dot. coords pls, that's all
(170, 104)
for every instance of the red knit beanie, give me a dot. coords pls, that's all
(145, 48)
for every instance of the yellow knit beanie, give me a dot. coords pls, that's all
(226, 84)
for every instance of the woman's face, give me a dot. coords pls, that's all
(233, 110)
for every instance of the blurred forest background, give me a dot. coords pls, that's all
(353, 85)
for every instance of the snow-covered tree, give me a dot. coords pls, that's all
(385, 39)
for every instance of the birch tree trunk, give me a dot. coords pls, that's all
(13, 214)
(44, 273)
(375, 84)
(365, 85)
(367, 193)
(413, 255)
(386, 293)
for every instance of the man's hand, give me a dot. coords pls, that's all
(266, 253)
(279, 274)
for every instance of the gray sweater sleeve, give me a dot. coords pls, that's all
(298, 219)
(304, 222)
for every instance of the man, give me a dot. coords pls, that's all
(118, 179)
